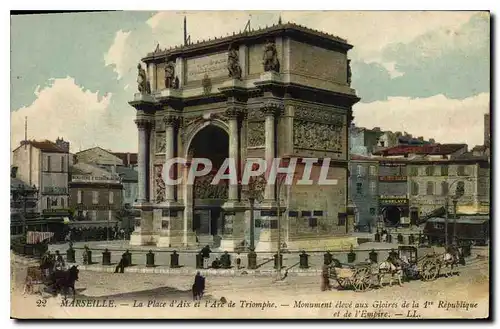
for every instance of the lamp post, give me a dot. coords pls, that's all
(447, 204)
(281, 180)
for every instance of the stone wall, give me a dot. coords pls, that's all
(318, 62)
(323, 202)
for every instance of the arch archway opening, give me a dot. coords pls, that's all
(211, 142)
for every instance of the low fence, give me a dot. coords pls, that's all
(225, 260)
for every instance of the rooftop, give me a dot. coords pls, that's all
(125, 158)
(236, 37)
(428, 149)
(44, 146)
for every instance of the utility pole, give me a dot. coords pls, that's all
(455, 221)
(446, 222)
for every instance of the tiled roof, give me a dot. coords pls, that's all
(44, 146)
(431, 149)
(123, 157)
(240, 35)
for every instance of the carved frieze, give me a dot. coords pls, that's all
(317, 136)
(255, 114)
(159, 184)
(160, 143)
(256, 134)
(318, 115)
(159, 124)
(204, 189)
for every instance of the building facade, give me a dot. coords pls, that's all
(123, 164)
(95, 194)
(436, 183)
(437, 174)
(363, 187)
(276, 92)
(44, 164)
(23, 204)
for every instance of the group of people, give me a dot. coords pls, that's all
(223, 262)
(52, 262)
(97, 234)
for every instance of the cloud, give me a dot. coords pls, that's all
(64, 109)
(446, 120)
(452, 62)
(115, 55)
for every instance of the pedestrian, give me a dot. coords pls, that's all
(238, 261)
(122, 264)
(59, 263)
(205, 254)
(325, 276)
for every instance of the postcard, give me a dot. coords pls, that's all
(250, 164)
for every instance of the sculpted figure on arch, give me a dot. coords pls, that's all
(270, 57)
(142, 80)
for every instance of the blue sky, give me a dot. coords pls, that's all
(426, 73)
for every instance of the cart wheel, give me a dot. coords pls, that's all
(362, 279)
(430, 270)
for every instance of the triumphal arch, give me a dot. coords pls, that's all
(279, 92)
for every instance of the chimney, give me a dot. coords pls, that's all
(62, 144)
(128, 159)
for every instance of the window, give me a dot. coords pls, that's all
(430, 188)
(62, 202)
(79, 196)
(359, 188)
(461, 171)
(361, 170)
(414, 188)
(413, 171)
(48, 203)
(93, 215)
(444, 188)
(373, 171)
(95, 197)
(429, 171)
(444, 170)
(111, 197)
(62, 163)
(382, 143)
(48, 163)
(373, 188)
(372, 211)
(54, 202)
(341, 220)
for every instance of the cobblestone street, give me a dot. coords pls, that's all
(471, 286)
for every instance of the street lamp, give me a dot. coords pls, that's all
(281, 180)
(455, 201)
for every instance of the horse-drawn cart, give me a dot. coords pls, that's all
(358, 277)
(424, 262)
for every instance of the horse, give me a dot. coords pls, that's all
(61, 281)
(452, 257)
(392, 266)
(198, 288)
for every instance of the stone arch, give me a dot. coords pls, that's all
(199, 127)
